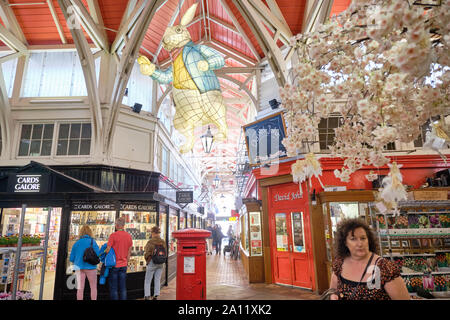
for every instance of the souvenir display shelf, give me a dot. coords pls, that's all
(418, 241)
(138, 224)
(102, 224)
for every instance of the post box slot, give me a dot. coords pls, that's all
(189, 247)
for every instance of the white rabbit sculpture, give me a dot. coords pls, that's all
(196, 89)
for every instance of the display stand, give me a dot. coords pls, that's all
(418, 240)
(17, 252)
(251, 246)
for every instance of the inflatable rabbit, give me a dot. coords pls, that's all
(196, 89)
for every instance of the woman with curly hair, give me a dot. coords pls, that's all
(358, 272)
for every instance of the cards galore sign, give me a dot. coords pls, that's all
(28, 183)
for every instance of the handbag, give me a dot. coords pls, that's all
(327, 294)
(90, 256)
(110, 259)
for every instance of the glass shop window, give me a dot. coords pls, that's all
(36, 140)
(163, 225)
(74, 139)
(173, 226)
(189, 221)
(101, 223)
(165, 161)
(138, 224)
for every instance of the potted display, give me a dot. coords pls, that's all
(416, 283)
(444, 220)
(440, 283)
(381, 221)
(13, 240)
(20, 295)
(413, 221)
(441, 259)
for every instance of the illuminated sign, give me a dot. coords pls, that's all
(28, 183)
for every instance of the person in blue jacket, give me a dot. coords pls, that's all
(84, 269)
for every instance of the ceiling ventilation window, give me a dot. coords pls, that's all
(9, 72)
(36, 140)
(139, 89)
(55, 74)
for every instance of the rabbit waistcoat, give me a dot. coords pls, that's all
(192, 54)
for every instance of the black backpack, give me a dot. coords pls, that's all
(90, 256)
(159, 254)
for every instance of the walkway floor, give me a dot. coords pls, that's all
(227, 280)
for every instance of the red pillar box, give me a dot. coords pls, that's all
(191, 263)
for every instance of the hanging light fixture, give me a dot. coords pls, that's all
(216, 181)
(207, 141)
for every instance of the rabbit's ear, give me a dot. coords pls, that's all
(189, 15)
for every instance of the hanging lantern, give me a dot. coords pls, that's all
(216, 181)
(207, 141)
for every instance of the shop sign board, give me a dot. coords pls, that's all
(93, 206)
(137, 207)
(287, 196)
(263, 139)
(185, 196)
(28, 183)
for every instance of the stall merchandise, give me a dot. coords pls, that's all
(100, 222)
(31, 258)
(418, 241)
(173, 226)
(138, 224)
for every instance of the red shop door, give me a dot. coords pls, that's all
(291, 253)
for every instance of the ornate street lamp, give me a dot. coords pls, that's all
(207, 141)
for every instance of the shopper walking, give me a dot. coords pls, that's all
(230, 234)
(358, 272)
(217, 237)
(154, 268)
(121, 242)
(84, 269)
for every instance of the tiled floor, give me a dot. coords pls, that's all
(227, 280)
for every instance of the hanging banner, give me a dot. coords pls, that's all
(263, 139)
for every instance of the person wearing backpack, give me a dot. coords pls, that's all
(155, 255)
(83, 268)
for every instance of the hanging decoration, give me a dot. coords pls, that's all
(393, 190)
(306, 169)
(437, 138)
(387, 62)
(196, 89)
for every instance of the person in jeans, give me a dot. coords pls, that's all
(122, 243)
(84, 269)
(153, 270)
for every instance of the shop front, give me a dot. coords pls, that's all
(297, 228)
(72, 204)
(290, 236)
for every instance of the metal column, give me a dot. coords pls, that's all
(44, 262)
(18, 252)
